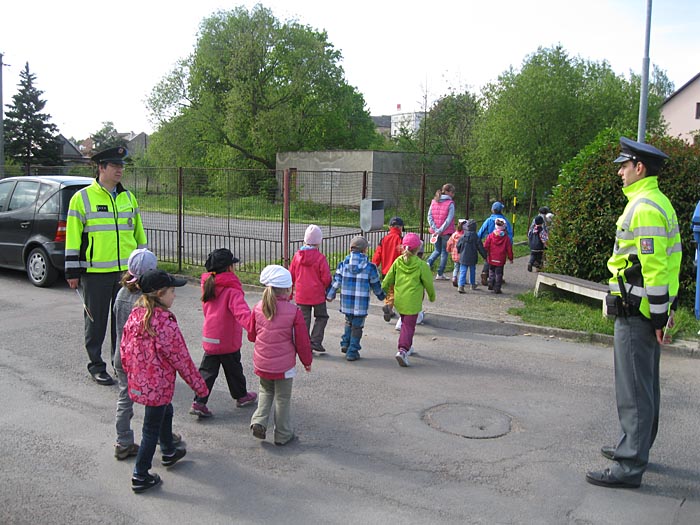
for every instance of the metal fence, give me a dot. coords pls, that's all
(261, 215)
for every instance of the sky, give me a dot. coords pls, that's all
(98, 61)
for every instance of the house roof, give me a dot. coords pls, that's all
(681, 88)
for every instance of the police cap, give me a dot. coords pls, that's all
(113, 155)
(648, 155)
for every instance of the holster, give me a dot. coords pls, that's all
(614, 306)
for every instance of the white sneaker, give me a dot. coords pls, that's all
(411, 351)
(402, 358)
(398, 325)
(441, 278)
(421, 316)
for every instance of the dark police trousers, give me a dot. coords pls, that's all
(99, 291)
(637, 393)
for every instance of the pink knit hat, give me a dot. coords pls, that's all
(313, 235)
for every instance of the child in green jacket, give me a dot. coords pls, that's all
(410, 276)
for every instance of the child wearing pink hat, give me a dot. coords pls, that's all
(411, 277)
(311, 277)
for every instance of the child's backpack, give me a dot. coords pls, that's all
(534, 239)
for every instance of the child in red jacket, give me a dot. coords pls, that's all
(152, 351)
(499, 248)
(277, 328)
(225, 315)
(384, 256)
(311, 277)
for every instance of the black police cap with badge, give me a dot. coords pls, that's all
(648, 155)
(112, 155)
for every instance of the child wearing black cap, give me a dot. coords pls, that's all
(537, 239)
(153, 350)
(388, 249)
(225, 315)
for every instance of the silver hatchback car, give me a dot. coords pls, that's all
(33, 212)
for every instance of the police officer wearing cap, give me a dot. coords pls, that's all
(645, 266)
(102, 229)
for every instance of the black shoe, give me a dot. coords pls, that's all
(484, 279)
(102, 378)
(259, 431)
(529, 267)
(169, 461)
(318, 348)
(605, 478)
(141, 483)
(608, 452)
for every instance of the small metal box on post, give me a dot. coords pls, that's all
(371, 214)
(696, 237)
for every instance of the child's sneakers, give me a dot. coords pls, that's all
(439, 277)
(474, 286)
(388, 312)
(247, 399)
(170, 460)
(122, 452)
(454, 282)
(141, 483)
(398, 325)
(402, 358)
(461, 289)
(318, 348)
(352, 355)
(259, 431)
(200, 410)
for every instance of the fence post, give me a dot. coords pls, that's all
(469, 196)
(180, 218)
(422, 204)
(364, 184)
(285, 218)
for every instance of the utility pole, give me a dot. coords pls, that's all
(644, 91)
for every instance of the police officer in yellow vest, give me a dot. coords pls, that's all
(102, 229)
(645, 266)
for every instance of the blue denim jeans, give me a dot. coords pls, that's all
(463, 274)
(440, 251)
(353, 333)
(157, 423)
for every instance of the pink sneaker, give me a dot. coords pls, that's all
(198, 409)
(247, 399)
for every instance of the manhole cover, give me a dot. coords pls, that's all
(468, 421)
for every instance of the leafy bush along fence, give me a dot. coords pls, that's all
(188, 212)
(589, 200)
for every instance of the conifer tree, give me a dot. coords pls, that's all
(30, 137)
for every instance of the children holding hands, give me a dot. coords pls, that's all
(354, 278)
(278, 329)
(153, 350)
(311, 277)
(387, 251)
(411, 277)
(225, 315)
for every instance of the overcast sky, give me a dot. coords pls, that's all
(98, 61)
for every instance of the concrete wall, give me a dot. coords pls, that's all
(681, 111)
(336, 176)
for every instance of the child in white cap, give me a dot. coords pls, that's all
(278, 329)
(140, 261)
(410, 277)
(311, 277)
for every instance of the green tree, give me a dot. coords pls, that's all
(107, 137)
(255, 86)
(539, 117)
(30, 137)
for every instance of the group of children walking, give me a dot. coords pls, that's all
(153, 350)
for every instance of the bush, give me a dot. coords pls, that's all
(588, 201)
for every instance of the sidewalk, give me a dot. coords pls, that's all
(482, 311)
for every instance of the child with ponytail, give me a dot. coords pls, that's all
(410, 276)
(278, 329)
(225, 315)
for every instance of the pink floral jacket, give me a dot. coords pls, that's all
(150, 362)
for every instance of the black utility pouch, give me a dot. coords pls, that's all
(613, 305)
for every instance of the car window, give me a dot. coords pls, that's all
(67, 193)
(24, 195)
(51, 206)
(5, 189)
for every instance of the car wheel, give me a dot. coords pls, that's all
(39, 268)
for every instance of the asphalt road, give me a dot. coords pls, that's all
(377, 443)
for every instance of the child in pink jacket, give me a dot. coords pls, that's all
(278, 330)
(311, 277)
(499, 248)
(225, 315)
(152, 351)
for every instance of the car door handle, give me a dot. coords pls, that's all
(25, 224)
